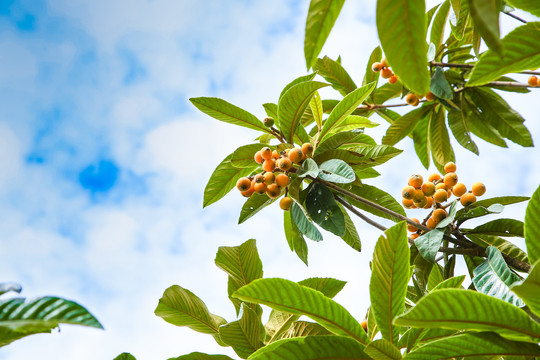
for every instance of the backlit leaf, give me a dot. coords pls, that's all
(335, 74)
(304, 225)
(529, 289)
(485, 14)
(532, 227)
(253, 205)
(405, 125)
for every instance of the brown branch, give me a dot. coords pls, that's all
(379, 106)
(470, 66)
(359, 214)
(515, 17)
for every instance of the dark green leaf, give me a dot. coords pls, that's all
(322, 15)
(504, 246)
(336, 171)
(485, 14)
(429, 244)
(439, 85)
(402, 28)
(480, 127)
(335, 74)
(486, 203)
(351, 236)
(323, 209)
(499, 227)
(253, 205)
(457, 122)
(468, 213)
(532, 227)
(304, 224)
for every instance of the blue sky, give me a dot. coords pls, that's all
(104, 160)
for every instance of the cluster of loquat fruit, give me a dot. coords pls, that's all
(434, 192)
(274, 178)
(533, 81)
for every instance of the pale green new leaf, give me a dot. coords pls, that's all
(344, 108)
(476, 311)
(532, 227)
(485, 14)
(287, 296)
(322, 15)
(529, 289)
(521, 52)
(493, 277)
(246, 335)
(222, 110)
(271, 110)
(316, 108)
(292, 105)
(243, 157)
(343, 139)
(253, 205)
(354, 122)
(382, 349)
(472, 345)
(181, 307)
(389, 278)
(223, 180)
(402, 28)
(404, 125)
(313, 348)
(335, 74)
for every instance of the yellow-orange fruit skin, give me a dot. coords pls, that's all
(273, 191)
(363, 324)
(247, 193)
(410, 227)
(393, 79)
(421, 203)
(386, 73)
(429, 203)
(259, 178)
(376, 67)
(258, 157)
(416, 181)
(282, 180)
(434, 177)
(408, 192)
(296, 155)
(414, 236)
(428, 188)
(450, 167)
(438, 215)
(243, 184)
(533, 81)
(269, 165)
(285, 203)
(260, 188)
(407, 203)
(450, 179)
(266, 153)
(431, 223)
(430, 96)
(459, 189)
(440, 195)
(412, 99)
(418, 196)
(467, 199)
(275, 155)
(307, 149)
(284, 164)
(441, 186)
(269, 178)
(478, 189)
(384, 63)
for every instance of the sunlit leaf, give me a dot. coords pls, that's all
(125, 356)
(349, 138)
(532, 227)
(316, 108)
(382, 349)
(421, 142)
(504, 246)
(436, 36)
(201, 356)
(245, 335)
(529, 289)
(304, 224)
(457, 122)
(335, 74)
(404, 125)
(253, 205)
(485, 14)
(243, 157)
(439, 141)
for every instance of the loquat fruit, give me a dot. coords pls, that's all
(376, 67)
(478, 189)
(431, 223)
(440, 195)
(428, 188)
(459, 189)
(533, 81)
(269, 178)
(412, 228)
(418, 196)
(393, 79)
(269, 165)
(438, 215)
(363, 324)
(429, 202)
(386, 73)
(430, 96)
(258, 157)
(421, 203)
(450, 179)
(408, 192)
(243, 184)
(284, 163)
(259, 178)
(450, 167)
(266, 153)
(412, 99)
(407, 203)
(441, 185)
(296, 155)
(260, 188)
(307, 149)
(434, 177)
(285, 203)
(416, 181)
(467, 199)
(251, 190)
(282, 180)
(414, 236)
(268, 122)
(273, 191)
(384, 63)
(275, 155)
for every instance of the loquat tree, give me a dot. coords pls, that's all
(314, 154)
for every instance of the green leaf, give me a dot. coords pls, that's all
(472, 345)
(461, 11)
(308, 168)
(386, 92)
(323, 209)
(19, 318)
(504, 246)
(497, 111)
(304, 328)
(532, 227)
(485, 14)
(529, 289)
(439, 85)
(253, 205)
(292, 105)
(9, 286)
(322, 15)
(298, 80)
(294, 237)
(437, 28)
(376, 154)
(499, 227)
(125, 356)
(223, 180)
(439, 141)
(351, 236)
(336, 171)
(382, 349)
(222, 110)
(429, 244)
(316, 107)
(243, 157)
(345, 108)
(452, 283)
(389, 278)
(312, 348)
(335, 74)
(378, 196)
(287, 296)
(201, 356)
(438, 309)
(370, 75)
(404, 125)
(457, 121)
(486, 203)
(435, 277)
(304, 224)
(531, 6)
(520, 52)
(246, 335)
(338, 140)
(401, 25)
(181, 307)
(354, 122)
(421, 143)
(493, 277)
(480, 127)
(241, 263)
(271, 111)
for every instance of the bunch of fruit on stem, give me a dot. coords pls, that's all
(435, 192)
(274, 178)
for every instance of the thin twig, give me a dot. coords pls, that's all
(470, 66)
(379, 106)
(515, 17)
(359, 214)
